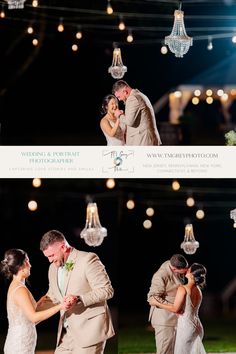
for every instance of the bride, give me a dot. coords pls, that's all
(189, 332)
(21, 306)
(111, 126)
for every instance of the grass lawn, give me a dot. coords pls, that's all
(136, 336)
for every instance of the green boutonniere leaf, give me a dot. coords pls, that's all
(69, 265)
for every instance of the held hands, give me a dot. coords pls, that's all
(152, 301)
(68, 302)
(118, 112)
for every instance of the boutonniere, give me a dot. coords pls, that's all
(69, 265)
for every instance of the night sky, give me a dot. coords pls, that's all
(50, 95)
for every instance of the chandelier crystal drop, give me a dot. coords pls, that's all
(117, 69)
(233, 216)
(178, 41)
(189, 245)
(93, 232)
(15, 4)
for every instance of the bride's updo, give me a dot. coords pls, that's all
(199, 273)
(13, 260)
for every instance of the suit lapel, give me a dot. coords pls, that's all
(72, 258)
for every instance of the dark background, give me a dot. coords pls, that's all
(50, 95)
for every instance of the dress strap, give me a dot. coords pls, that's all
(16, 288)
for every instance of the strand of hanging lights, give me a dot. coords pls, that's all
(178, 41)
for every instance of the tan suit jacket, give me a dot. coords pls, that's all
(89, 321)
(140, 120)
(164, 286)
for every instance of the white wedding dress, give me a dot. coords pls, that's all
(21, 335)
(189, 332)
(119, 138)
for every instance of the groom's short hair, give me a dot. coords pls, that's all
(119, 85)
(178, 261)
(50, 238)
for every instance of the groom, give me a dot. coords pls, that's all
(85, 327)
(164, 286)
(139, 115)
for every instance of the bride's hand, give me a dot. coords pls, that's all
(152, 301)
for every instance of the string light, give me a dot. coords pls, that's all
(220, 93)
(109, 8)
(60, 27)
(200, 214)
(36, 182)
(110, 183)
(30, 30)
(78, 35)
(209, 100)
(130, 37)
(147, 224)
(2, 13)
(121, 24)
(234, 39)
(195, 100)
(35, 42)
(150, 211)
(74, 47)
(175, 185)
(209, 92)
(164, 49)
(130, 204)
(35, 3)
(190, 201)
(209, 45)
(96, 13)
(32, 205)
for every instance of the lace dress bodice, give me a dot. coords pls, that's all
(189, 332)
(21, 335)
(118, 138)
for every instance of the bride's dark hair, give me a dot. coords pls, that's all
(199, 273)
(13, 260)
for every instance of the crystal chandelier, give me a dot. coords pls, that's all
(189, 245)
(233, 216)
(15, 4)
(178, 41)
(93, 232)
(117, 69)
